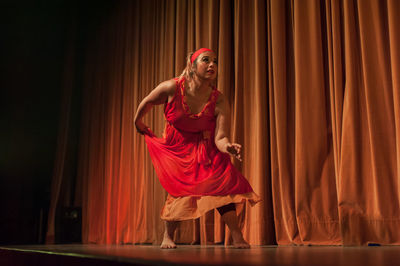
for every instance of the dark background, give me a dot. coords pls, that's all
(36, 39)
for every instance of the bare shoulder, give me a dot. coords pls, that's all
(162, 93)
(167, 86)
(221, 104)
(221, 99)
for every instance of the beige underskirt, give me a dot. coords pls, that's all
(191, 207)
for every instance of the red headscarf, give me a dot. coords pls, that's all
(198, 52)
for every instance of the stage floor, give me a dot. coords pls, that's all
(198, 255)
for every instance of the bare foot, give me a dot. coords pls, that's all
(167, 242)
(238, 240)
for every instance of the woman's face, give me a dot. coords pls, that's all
(206, 65)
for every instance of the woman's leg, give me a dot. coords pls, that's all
(168, 240)
(228, 214)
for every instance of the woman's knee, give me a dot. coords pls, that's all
(226, 208)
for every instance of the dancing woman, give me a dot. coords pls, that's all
(192, 159)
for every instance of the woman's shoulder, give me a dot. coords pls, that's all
(170, 83)
(220, 97)
(168, 86)
(221, 104)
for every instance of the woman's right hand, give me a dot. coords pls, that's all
(143, 129)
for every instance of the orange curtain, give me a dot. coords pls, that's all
(314, 92)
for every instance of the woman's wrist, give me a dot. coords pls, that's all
(226, 146)
(223, 144)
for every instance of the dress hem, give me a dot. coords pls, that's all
(192, 207)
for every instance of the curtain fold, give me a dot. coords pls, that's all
(314, 93)
(369, 192)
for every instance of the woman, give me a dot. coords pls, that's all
(192, 159)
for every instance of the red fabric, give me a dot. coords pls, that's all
(186, 159)
(199, 52)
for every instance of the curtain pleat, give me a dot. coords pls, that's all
(368, 179)
(314, 93)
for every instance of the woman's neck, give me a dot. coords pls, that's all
(197, 84)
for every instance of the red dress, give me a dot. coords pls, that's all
(188, 163)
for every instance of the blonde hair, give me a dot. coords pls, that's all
(188, 72)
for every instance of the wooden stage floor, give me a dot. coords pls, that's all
(76, 254)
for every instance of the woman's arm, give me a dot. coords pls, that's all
(222, 129)
(159, 95)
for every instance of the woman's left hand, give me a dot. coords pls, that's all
(234, 149)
